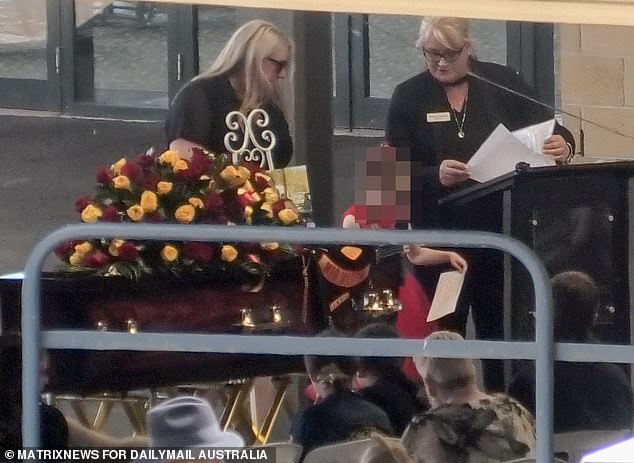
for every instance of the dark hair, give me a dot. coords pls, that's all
(576, 301)
(336, 370)
(380, 366)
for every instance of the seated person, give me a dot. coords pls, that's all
(471, 422)
(339, 413)
(381, 381)
(56, 430)
(587, 396)
(188, 422)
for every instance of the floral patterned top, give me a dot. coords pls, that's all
(491, 430)
(513, 421)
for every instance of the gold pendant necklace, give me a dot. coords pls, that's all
(460, 124)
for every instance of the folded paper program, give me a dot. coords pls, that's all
(503, 150)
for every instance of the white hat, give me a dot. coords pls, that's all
(188, 422)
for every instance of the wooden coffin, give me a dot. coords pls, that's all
(189, 305)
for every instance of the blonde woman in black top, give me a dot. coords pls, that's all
(252, 71)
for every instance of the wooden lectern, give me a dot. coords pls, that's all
(574, 217)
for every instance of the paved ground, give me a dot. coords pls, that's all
(47, 163)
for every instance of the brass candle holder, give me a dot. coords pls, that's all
(276, 314)
(380, 303)
(246, 318)
(133, 327)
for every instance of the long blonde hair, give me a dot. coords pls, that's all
(453, 33)
(243, 56)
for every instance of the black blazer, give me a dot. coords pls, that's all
(432, 142)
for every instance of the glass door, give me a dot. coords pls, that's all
(382, 54)
(116, 61)
(30, 54)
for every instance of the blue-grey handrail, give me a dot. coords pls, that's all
(33, 339)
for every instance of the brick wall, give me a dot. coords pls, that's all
(597, 83)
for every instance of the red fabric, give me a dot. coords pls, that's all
(411, 321)
(366, 216)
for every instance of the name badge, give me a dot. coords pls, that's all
(438, 117)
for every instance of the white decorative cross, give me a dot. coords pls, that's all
(243, 142)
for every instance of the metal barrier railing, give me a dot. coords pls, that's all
(541, 350)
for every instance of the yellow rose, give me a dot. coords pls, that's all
(229, 253)
(181, 164)
(113, 249)
(169, 253)
(91, 214)
(121, 182)
(287, 216)
(185, 214)
(270, 246)
(266, 207)
(197, 202)
(248, 212)
(76, 259)
(170, 157)
(83, 248)
(135, 212)
(117, 166)
(271, 195)
(163, 188)
(234, 176)
(149, 201)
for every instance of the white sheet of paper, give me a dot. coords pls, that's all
(534, 136)
(499, 154)
(447, 293)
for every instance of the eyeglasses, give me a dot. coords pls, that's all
(279, 64)
(450, 56)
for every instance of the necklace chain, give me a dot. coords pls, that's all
(460, 124)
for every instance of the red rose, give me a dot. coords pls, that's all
(110, 214)
(146, 159)
(82, 202)
(65, 249)
(213, 203)
(105, 176)
(261, 181)
(131, 170)
(150, 180)
(199, 252)
(96, 259)
(128, 252)
(198, 163)
(278, 206)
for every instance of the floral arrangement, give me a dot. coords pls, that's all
(165, 188)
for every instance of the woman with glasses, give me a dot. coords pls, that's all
(249, 73)
(443, 115)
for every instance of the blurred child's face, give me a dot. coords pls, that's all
(382, 185)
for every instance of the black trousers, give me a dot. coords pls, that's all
(483, 294)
